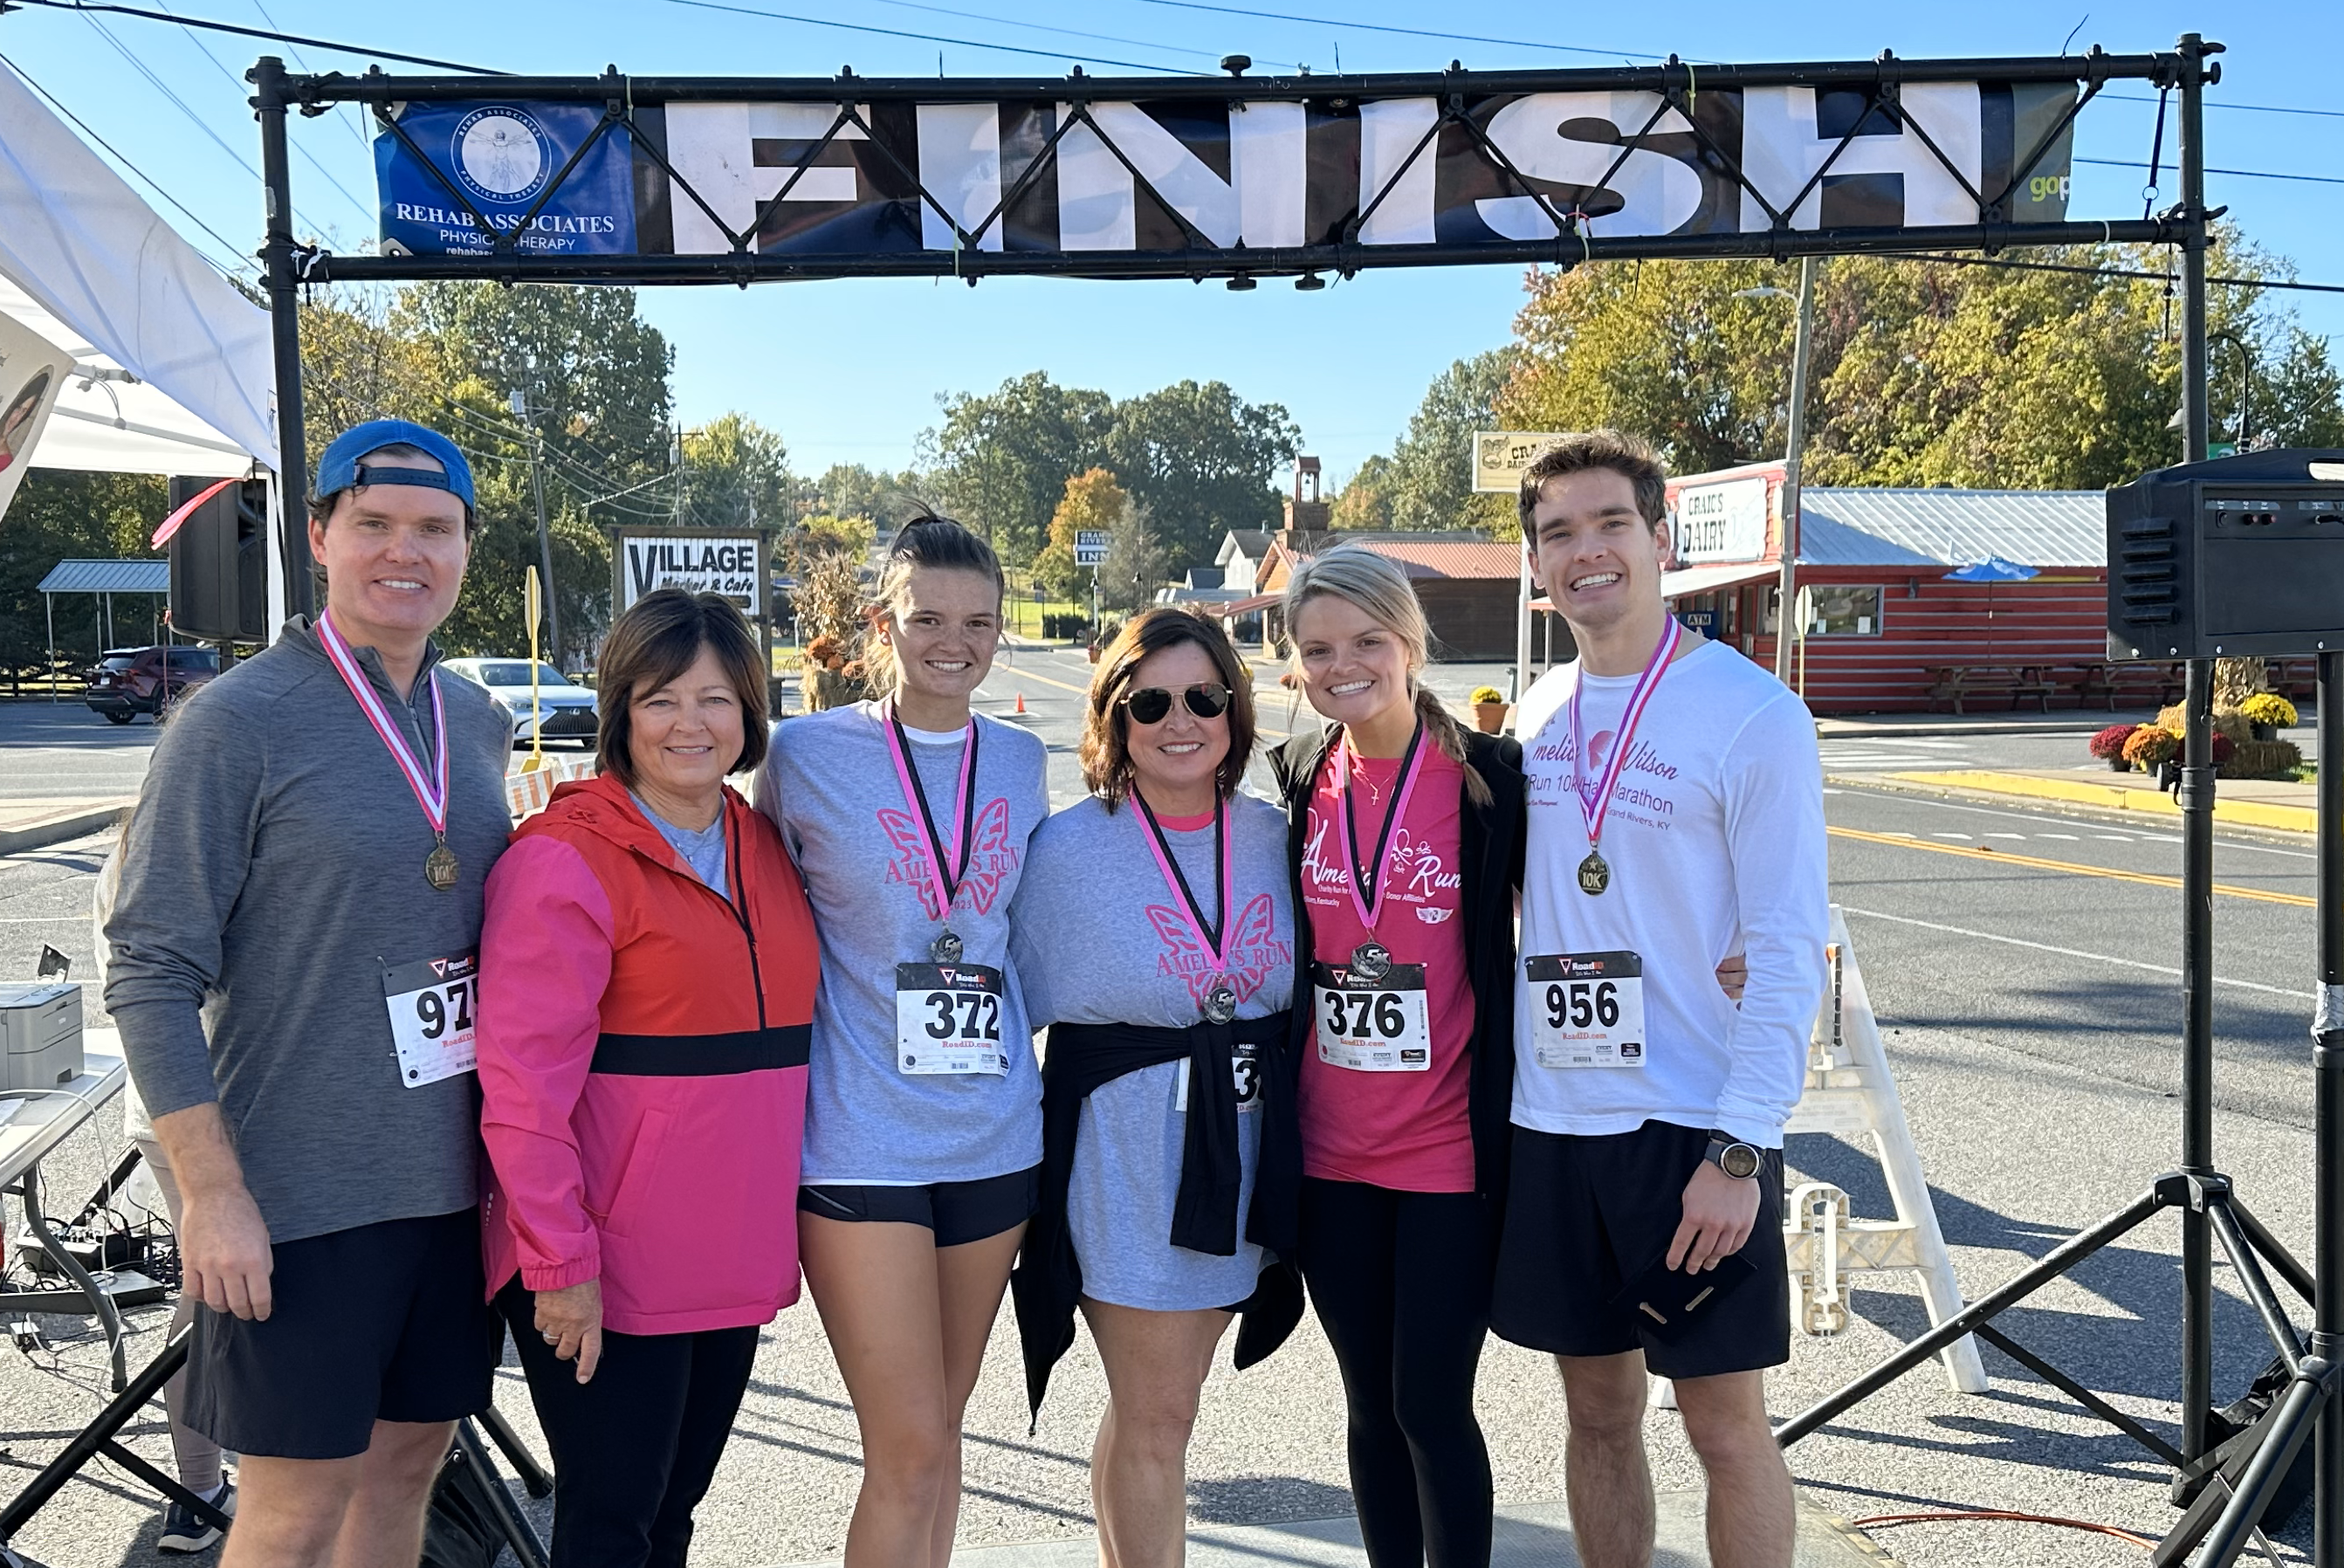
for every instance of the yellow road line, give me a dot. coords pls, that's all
(2261, 895)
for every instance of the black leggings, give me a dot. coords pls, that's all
(1402, 1284)
(635, 1449)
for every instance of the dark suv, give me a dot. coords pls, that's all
(128, 681)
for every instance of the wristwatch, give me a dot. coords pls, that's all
(1730, 1155)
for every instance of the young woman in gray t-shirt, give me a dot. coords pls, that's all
(909, 818)
(1154, 935)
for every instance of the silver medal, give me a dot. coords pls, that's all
(945, 948)
(1220, 1003)
(1370, 961)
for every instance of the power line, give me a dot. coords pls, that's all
(2243, 173)
(57, 103)
(2141, 273)
(1408, 32)
(1064, 32)
(925, 37)
(2242, 108)
(86, 5)
(235, 82)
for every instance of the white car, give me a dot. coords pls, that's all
(568, 710)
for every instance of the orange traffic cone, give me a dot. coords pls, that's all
(1021, 702)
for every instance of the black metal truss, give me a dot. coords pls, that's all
(1577, 236)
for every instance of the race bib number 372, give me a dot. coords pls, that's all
(433, 1004)
(948, 1019)
(1587, 1009)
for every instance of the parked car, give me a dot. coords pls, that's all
(568, 708)
(127, 681)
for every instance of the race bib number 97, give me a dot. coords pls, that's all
(1587, 1009)
(433, 1003)
(948, 1019)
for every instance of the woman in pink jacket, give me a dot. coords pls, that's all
(648, 968)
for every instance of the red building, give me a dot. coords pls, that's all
(1886, 632)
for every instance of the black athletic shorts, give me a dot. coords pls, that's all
(1584, 1215)
(958, 1211)
(379, 1322)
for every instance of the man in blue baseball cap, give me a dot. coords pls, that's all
(294, 975)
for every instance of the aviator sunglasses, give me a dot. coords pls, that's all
(1152, 704)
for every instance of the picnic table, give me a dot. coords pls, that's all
(1958, 683)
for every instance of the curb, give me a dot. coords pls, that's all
(2100, 797)
(1957, 731)
(80, 823)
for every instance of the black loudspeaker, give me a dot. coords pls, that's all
(2237, 556)
(219, 562)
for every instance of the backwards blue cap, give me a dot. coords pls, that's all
(344, 465)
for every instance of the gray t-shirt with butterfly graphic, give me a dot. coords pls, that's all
(1098, 938)
(830, 784)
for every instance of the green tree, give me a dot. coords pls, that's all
(1366, 500)
(736, 475)
(594, 380)
(1922, 373)
(1003, 458)
(1093, 503)
(64, 516)
(1202, 462)
(1136, 562)
(1432, 476)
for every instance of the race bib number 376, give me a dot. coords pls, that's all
(948, 1019)
(1587, 1009)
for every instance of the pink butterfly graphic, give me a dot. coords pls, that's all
(1253, 951)
(989, 862)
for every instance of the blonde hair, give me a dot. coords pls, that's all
(927, 540)
(1376, 586)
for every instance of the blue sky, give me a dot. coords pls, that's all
(850, 371)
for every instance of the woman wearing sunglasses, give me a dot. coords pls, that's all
(1154, 933)
(909, 818)
(1406, 838)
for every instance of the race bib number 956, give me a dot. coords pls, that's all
(1587, 1009)
(948, 1019)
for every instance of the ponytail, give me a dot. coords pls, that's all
(1446, 733)
(927, 540)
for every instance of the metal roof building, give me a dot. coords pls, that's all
(1922, 528)
(108, 577)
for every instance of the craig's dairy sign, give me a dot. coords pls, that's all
(726, 563)
(1036, 175)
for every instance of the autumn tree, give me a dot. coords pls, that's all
(1366, 498)
(1430, 481)
(1094, 502)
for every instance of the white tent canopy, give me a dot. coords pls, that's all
(176, 372)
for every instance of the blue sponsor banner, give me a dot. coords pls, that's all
(502, 157)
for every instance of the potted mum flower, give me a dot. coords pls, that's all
(2151, 746)
(1489, 710)
(2268, 713)
(2108, 745)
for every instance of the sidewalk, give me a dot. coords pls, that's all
(2075, 721)
(2287, 805)
(37, 823)
(1528, 1535)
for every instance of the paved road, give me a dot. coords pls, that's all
(2024, 966)
(59, 750)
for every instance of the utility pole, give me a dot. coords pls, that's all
(675, 456)
(520, 405)
(1787, 592)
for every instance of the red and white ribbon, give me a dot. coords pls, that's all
(430, 786)
(1596, 806)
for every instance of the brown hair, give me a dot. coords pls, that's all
(927, 540)
(657, 639)
(1107, 744)
(1631, 457)
(1377, 588)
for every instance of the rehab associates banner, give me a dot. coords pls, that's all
(1022, 178)
(502, 157)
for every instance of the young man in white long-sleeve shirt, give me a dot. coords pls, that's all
(1676, 818)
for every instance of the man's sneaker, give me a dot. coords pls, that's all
(183, 1532)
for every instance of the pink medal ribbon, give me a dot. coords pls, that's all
(1594, 873)
(1371, 960)
(430, 785)
(1220, 1005)
(946, 948)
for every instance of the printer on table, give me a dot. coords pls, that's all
(40, 1034)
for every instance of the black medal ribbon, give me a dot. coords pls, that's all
(1211, 928)
(1364, 873)
(953, 876)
